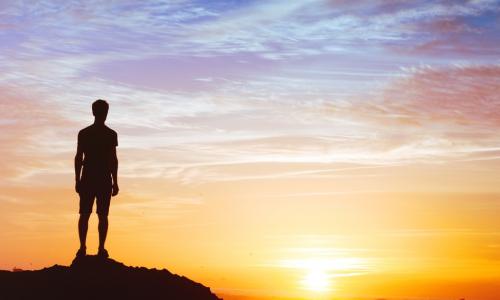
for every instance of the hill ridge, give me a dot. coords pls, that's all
(91, 277)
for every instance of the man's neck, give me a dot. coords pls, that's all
(98, 122)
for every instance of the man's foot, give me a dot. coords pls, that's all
(102, 253)
(81, 252)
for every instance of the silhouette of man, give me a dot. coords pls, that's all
(96, 153)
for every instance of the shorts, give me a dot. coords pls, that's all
(101, 193)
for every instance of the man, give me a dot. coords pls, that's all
(96, 153)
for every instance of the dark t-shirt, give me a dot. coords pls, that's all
(97, 143)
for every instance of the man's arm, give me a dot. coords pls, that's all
(78, 167)
(114, 171)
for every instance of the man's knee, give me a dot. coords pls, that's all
(84, 216)
(102, 217)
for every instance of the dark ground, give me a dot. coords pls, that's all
(96, 278)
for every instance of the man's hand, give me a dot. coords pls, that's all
(115, 189)
(78, 186)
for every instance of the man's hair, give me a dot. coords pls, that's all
(100, 108)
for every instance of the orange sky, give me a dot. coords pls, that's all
(317, 150)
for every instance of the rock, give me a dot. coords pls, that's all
(91, 277)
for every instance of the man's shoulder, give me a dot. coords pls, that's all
(85, 130)
(111, 131)
(113, 136)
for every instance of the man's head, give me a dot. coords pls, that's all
(100, 109)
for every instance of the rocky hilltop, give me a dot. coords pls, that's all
(92, 277)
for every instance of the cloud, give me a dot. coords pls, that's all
(26, 123)
(198, 136)
(465, 96)
(272, 29)
(430, 112)
(328, 95)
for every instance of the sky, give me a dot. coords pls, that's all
(309, 148)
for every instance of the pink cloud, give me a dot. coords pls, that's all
(448, 25)
(23, 121)
(440, 112)
(463, 95)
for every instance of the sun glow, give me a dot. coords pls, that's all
(317, 280)
(320, 272)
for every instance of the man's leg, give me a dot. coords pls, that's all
(83, 225)
(103, 200)
(86, 203)
(103, 230)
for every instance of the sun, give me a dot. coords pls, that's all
(317, 280)
(319, 274)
